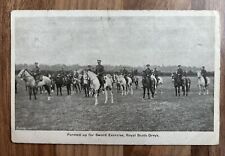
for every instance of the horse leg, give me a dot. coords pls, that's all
(175, 90)
(48, 89)
(131, 90)
(183, 89)
(199, 88)
(127, 89)
(106, 96)
(124, 89)
(60, 89)
(34, 92)
(152, 91)
(73, 87)
(85, 91)
(148, 90)
(111, 95)
(207, 90)
(40, 89)
(67, 89)
(178, 90)
(96, 97)
(186, 90)
(143, 92)
(78, 88)
(30, 92)
(57, 89)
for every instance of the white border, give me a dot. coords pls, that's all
(165, 138)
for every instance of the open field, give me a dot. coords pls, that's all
(165, 112)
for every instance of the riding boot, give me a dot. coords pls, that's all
(205, 81)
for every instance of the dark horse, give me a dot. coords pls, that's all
(76, 84)
(59, 84)
(149, 84)
(181, 83)
(68, 82)
(186, 85)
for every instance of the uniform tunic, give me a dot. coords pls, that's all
(100, 73)
(99, 70)
(36, 72)
(125, 72)
(203, 72)
(180, 72)
(147, 72)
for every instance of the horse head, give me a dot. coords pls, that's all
(199, 75)
(21, 73)
(24, 73)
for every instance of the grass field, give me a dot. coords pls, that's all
(165, 112)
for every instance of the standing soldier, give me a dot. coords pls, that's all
(180, 72)
(100, 73)
(204, 73)
(62, 72)
(156, 73)
(76, 74)
(148, 71)
(36, 73)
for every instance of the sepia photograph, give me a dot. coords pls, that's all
(115, 77)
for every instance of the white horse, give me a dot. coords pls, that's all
(95, 85)
(136, 81)
(108, 85)
(160, 80)
(203, 89)
(159, 85)
(30, 82)
(125, 87)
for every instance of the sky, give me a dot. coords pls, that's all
(133, 41)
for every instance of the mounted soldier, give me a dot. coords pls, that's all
(62, 72)
(148, 71)
(125, 74)
(180, 72)
(204, 74)
(36, 73)
(99, 70)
